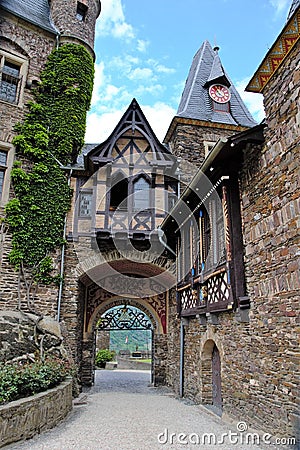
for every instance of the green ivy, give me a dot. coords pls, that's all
(51, 133)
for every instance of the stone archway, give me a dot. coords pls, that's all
(96, 301)
(211, 375)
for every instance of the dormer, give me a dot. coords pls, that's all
(130, 180)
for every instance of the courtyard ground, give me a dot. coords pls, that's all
(123, 412)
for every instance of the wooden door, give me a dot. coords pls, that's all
(216, 378)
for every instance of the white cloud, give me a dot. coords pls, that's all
(112, 21)
(142, 45)
(99, 81)
(153, 89)
(160, 68)
(159, 117)
(100, 125)
(280, 5)
(140, 74)
(254, 102)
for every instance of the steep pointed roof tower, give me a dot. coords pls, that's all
(210, 108)
(207, 70)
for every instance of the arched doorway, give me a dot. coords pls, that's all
(211, 376)
(131, 335)
(95, 301)
(216, 378)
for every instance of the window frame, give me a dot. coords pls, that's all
(81, 11)
(85, 192)
(23, 64)
(6, 169)
(134, 184)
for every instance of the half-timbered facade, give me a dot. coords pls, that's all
(126, 185)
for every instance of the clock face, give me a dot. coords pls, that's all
(219, 93)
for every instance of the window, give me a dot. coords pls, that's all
(118, 192)
(3, 167)
(141, 194)
(10, 79)
(212, 241)
(85, 204)
(13, 70)
(220, 107)
(81, 11)
(208, 146)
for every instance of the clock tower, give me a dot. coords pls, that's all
(210, 109)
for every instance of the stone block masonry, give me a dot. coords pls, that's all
(22, 419)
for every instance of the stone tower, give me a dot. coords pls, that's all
(75, 20)
(204, 115)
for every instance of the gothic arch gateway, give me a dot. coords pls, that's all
(95, 300)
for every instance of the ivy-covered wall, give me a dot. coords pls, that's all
(50, 137)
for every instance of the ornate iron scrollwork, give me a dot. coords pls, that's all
(124, 318)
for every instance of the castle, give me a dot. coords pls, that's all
(210, 257)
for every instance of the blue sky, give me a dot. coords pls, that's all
(145, 49)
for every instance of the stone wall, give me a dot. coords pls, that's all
(22, 419)
(63, 15)
(270, 211)
(188, 144)
(33, 45)
(23, 335)
(173, 349)
(259, 359)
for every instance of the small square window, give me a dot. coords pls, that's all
(81, 11)
(220, 107)
(85, 204)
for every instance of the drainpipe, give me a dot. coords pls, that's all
(62, 262)
(181, 366)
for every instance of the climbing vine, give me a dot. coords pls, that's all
(51, 136)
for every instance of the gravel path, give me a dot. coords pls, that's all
(123, 412)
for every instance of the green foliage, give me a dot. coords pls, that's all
(18, 381)
(103, 356)
(53, 131)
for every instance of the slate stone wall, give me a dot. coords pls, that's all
(188, 144)
(260, 359)
(63, 15)
(22, 419)
(270, 211)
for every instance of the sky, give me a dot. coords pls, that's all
(144, 50)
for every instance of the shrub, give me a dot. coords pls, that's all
(22, 380)
(103, 356)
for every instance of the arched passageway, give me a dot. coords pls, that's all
(128, 332)
(96, 299)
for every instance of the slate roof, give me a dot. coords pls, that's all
(36, 12)
(195, 102)
(295, 4)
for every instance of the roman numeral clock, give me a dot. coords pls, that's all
(219, 93)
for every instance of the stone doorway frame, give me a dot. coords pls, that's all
(208, 347)
(159, 338)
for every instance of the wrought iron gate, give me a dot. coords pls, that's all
(124, 318)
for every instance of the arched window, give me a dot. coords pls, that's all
(141, 189)
(118, 192)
